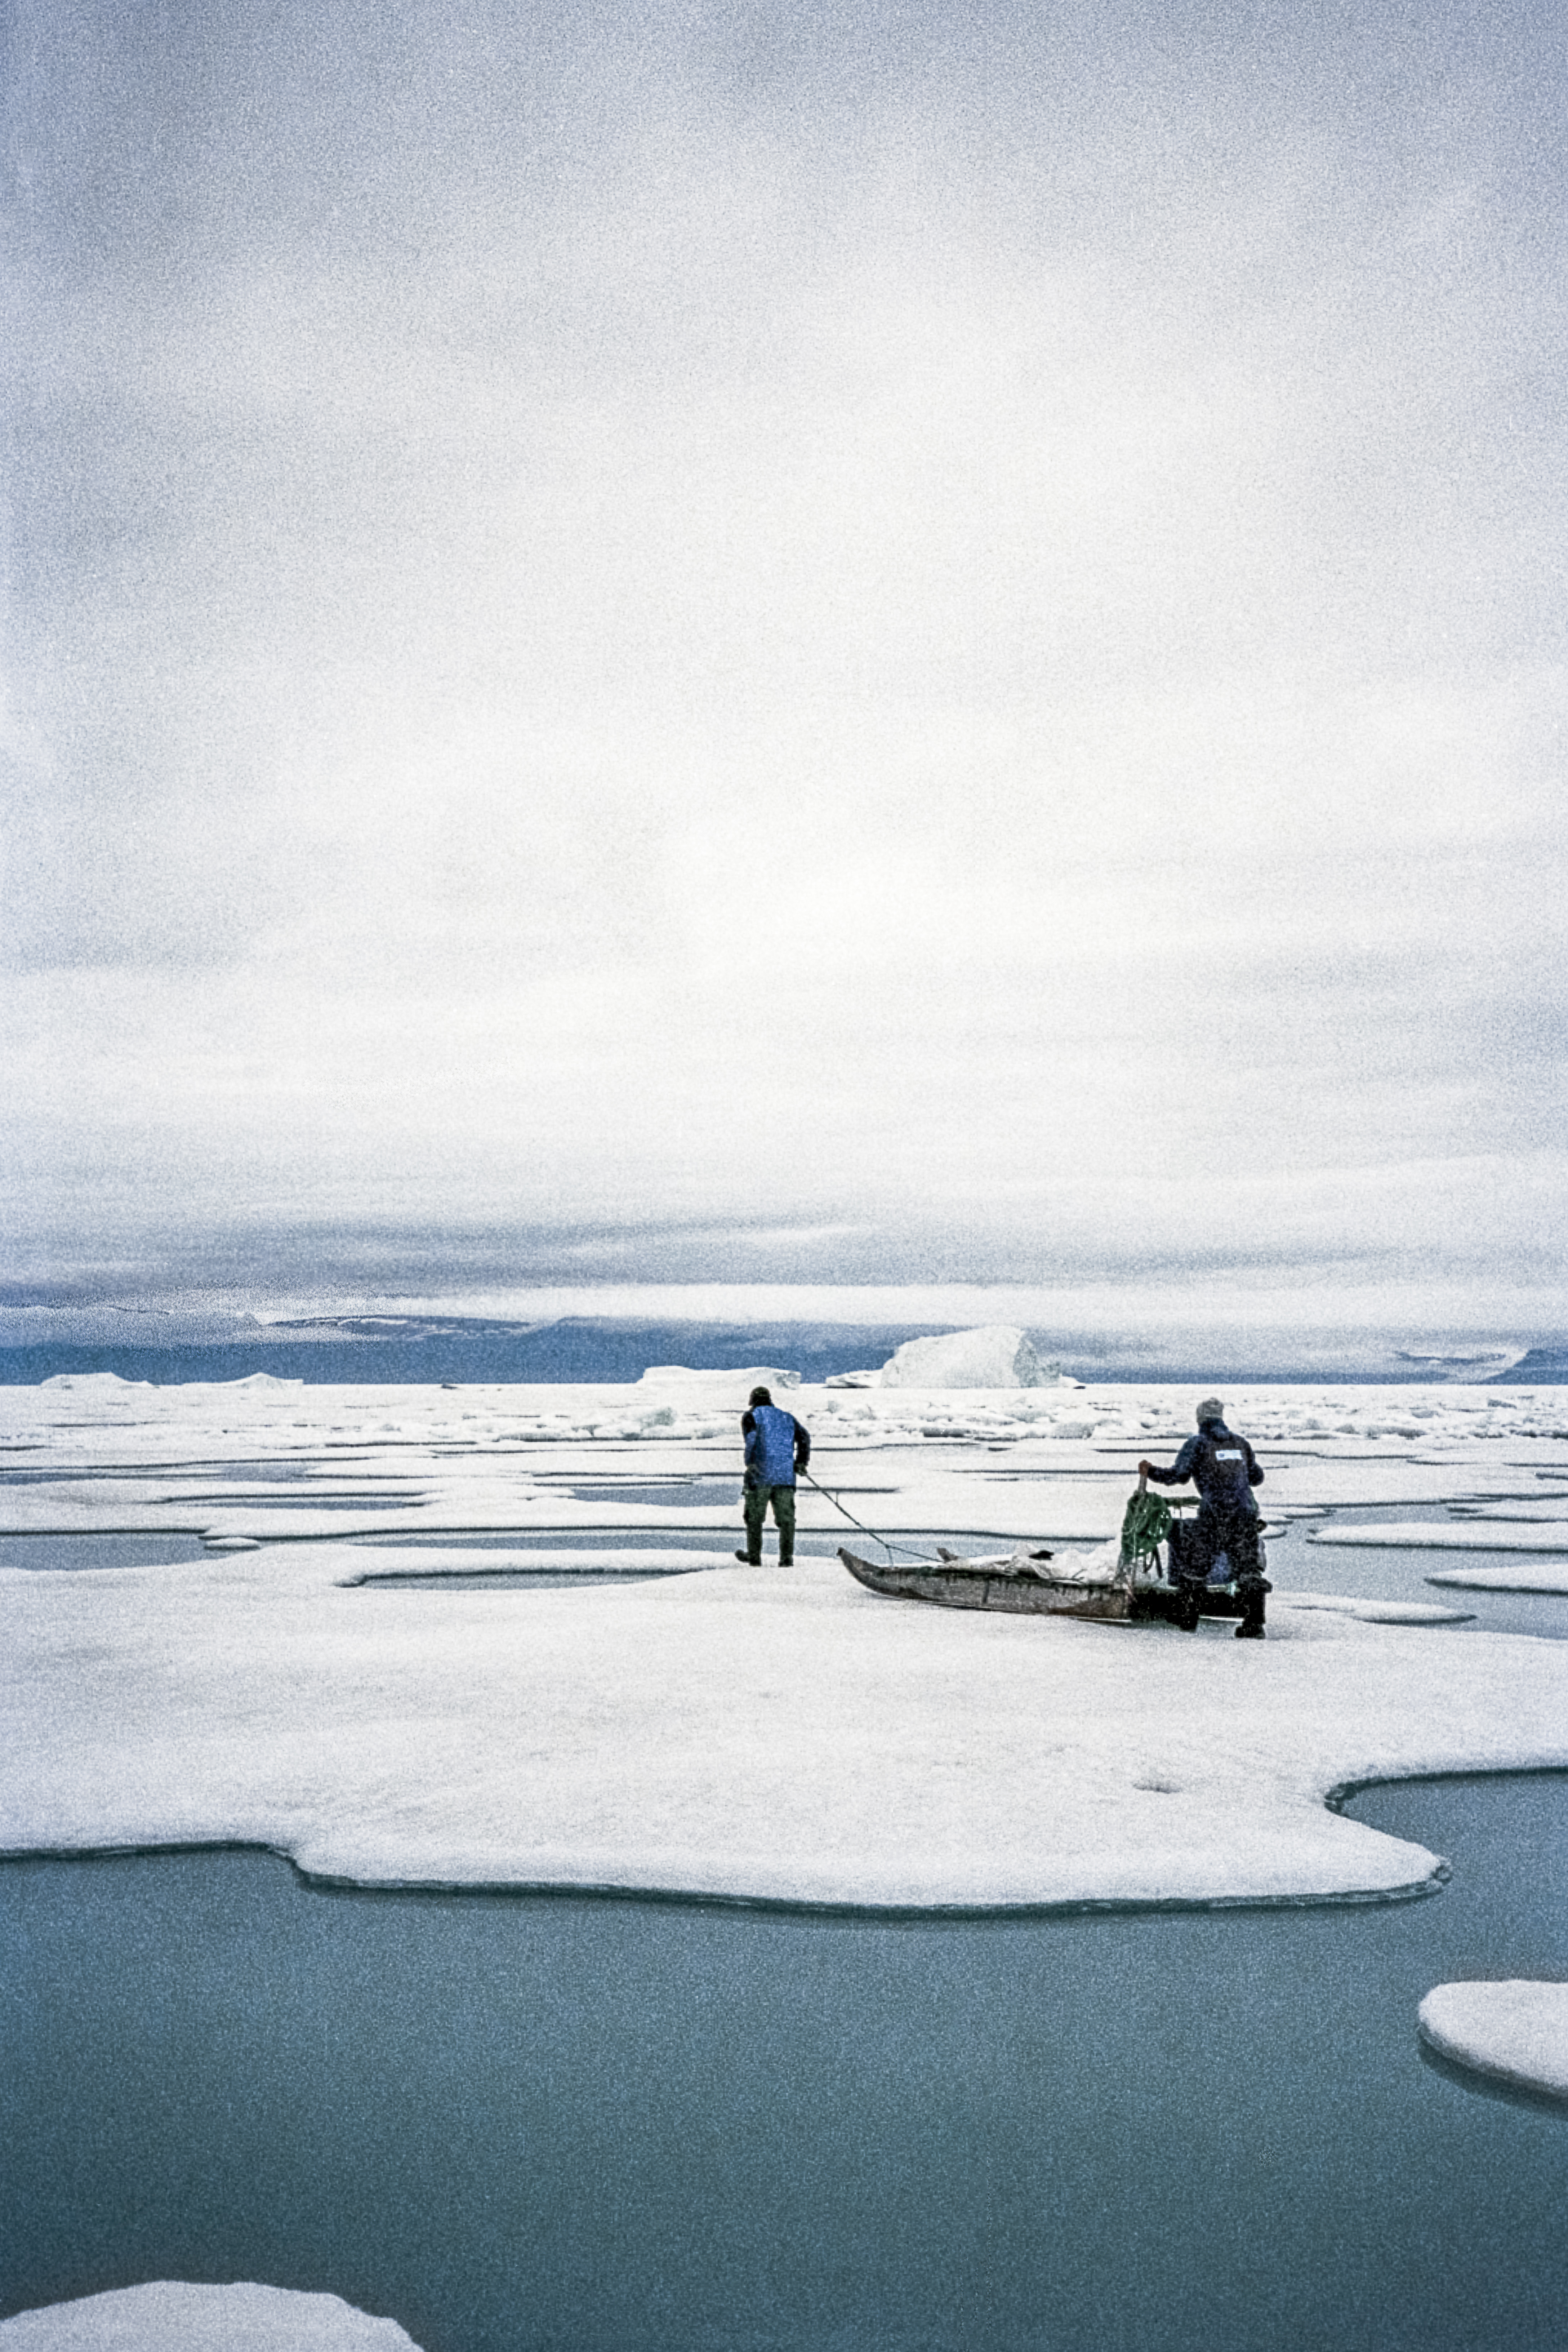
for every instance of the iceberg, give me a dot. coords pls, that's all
(995, 1355)
(1482, 1364)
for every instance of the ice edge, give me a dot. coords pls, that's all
(720, 1899)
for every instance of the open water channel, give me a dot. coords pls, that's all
(517, 2122)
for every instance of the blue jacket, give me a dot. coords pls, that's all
(776, 1446)
(1224, 1468)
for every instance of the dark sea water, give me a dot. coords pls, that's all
(480, 1349)
(1376, 1572)
(528, 2123)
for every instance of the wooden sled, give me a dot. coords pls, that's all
(1021, 1584)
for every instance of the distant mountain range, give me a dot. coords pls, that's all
(398, 1348)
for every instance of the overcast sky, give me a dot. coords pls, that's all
(870, 642)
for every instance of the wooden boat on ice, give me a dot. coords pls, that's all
(1020, 1582)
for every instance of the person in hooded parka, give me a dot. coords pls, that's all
(1225, 1470)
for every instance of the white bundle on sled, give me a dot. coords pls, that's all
(1101, 1566)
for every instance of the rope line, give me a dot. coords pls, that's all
(889, 1547)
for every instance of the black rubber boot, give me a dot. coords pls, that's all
(1188, 1618)
(746, 1559)
(1253, 1589)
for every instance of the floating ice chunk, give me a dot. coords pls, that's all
(171, 2316)
(1447, 1535)
(995, 1355)
(91, 1383)
(1516, 2029)
(1521, 1576)
(1549, 1508)
(741, 1381)
(1376, 1612)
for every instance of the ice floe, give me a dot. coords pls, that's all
(170, 2316)
(764, 1734)
(1376, 1612)
(1520, 1576)
(1515, 2030)
(1447, 1535)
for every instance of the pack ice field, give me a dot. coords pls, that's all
(498, 1636)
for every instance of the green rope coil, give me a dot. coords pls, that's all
(1144, 1526)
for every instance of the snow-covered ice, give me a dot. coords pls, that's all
(772, 1735)
(1516, 2030)
(170, 2316)
(755, 1735)
(370, 1562)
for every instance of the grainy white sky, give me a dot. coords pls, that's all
(859, 643)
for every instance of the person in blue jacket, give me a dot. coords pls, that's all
(776, 1446)
(1225, 1470)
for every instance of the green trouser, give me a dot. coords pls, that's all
(783, 1501)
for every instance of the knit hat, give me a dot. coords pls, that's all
(1210, 1409)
